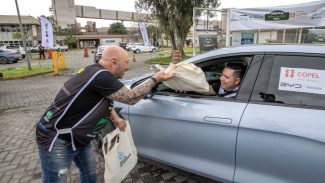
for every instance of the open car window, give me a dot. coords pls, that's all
(212, 69)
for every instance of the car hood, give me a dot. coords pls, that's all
(129, 82)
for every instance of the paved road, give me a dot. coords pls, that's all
(23, 101)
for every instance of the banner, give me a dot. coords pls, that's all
(47, 33)
(310, 14)
(144, 33)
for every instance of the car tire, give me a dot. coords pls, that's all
(154, 50)
(137, 51)
(3, 60)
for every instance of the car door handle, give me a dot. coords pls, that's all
(217, 119)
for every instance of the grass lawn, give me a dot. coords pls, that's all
(187, 50)
(163, 60)
(23, 71)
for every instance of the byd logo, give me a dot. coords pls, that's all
(290, 85)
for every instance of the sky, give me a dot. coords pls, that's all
(41, 7)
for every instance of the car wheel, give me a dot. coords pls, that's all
(3, 60)
(137, 51)
(154, 50)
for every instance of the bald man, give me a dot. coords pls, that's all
(81, 108)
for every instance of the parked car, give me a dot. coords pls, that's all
(35, 49)
(9, 56)
(130, 45)
(273, 131)
(142, 48)
(99, 52)
(58, 47)
(122, 45)
(15, 48)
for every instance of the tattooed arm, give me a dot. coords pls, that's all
(124, 95)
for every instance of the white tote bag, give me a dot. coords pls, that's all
(120, 154)
(188, 77)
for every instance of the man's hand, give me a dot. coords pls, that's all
(120, 123)
(161, 76)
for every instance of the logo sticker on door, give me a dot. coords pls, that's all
(302, 80)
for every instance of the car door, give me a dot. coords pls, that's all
(192, 132)
(281, 136)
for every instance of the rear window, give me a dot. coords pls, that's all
(297, 80)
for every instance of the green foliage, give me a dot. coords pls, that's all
(70, 40)
(15, 72)
(117, 28)
(71, 29)
(175, 16)
(17, 35)
(163, 60)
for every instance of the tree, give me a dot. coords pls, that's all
(70, 40)
(70, 29)
(17, 35)
(176, 16)
(117, 28)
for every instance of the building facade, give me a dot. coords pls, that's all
(9, 28)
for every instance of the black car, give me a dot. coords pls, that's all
(122, 45)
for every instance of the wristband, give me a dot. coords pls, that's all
(154, 79)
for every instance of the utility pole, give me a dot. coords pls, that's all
(24, 37)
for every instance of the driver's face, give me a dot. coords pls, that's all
(228, 80)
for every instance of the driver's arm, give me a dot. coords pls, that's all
(127, 96)
(210, 92)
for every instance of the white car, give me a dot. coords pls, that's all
(130, 45)
(15, 48)
(60, 47)
(142, 48)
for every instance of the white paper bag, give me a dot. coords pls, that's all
(120, 155)
(188, 77)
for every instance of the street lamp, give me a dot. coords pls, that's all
(24, 37)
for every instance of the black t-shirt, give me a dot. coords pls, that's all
(104, 84)
(82, 104)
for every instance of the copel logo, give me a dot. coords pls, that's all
(289, 73)
(308, 75)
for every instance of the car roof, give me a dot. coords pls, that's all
(104, 46)
(282, 48)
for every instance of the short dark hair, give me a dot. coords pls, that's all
(239, 69)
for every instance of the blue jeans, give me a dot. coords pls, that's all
(56, 164)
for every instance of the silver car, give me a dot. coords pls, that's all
(99, 52)
(273, 131)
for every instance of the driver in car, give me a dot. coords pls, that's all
(230, 80)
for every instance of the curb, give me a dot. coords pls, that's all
(25, 76)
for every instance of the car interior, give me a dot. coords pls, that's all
(212, 68)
